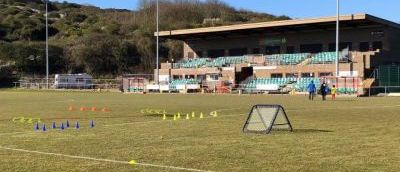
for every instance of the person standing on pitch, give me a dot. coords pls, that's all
(333, 92)
(311, 90)
(324, 90)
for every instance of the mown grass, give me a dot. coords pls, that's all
(350, 134)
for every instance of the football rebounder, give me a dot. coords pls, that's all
(263, 119)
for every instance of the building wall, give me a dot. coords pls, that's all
(391, 53)
(394, 40)
(316, 69)
(325, 37)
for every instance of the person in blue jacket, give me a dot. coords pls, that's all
(324, 90)
(311, 90)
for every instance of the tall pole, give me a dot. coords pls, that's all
(47, 46)
(158, 53)
(337, 37)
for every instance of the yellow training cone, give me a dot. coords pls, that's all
(187, 116)
(214, 114)
(193, 115)
(201, 115)
(179, 115)
(174, 117)
(164, 117)
(132, 162)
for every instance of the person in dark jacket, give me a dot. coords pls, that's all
(311, 89)
(324, 90)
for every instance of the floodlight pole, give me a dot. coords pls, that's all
(47, 46)
(158, 51)
(337, 37)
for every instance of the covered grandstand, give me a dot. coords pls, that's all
(285, 55)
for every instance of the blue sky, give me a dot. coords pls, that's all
(387, 9)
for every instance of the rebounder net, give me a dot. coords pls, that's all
(264, 118)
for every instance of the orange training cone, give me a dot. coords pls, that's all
(94, 109)
(71, 108)
(82, 109)
(104, 110)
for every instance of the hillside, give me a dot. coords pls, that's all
(102, 42)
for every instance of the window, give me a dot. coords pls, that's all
(216, 53)
(189, 76)
(272, 50)
(332, 47)
(311, 48)
(256, 51)
(377, 45)
(342, 45)
(290, 50)
(190, 55)
(199, 53)
(325, 74)
(276, 75)
(364, 46)
(237, 51)
(80, 80)
(307, 75)
(177, 77)
(213, 77)
(292, 75)
(201, 77)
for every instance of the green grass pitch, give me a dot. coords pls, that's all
(350, 134)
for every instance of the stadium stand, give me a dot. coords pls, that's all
(323, 58)
(286, 59)
(269, 53)
(191, 63)
(300, 84)
(276, 59)
(207, 62)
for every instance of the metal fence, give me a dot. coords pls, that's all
(96, 84)
(383, 90)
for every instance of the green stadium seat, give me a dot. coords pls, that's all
(324, 58)
(286, 59)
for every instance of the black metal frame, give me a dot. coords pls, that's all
(268, 129)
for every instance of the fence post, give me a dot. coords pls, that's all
(385, 91)
(369, 91)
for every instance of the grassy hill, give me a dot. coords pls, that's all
(102, 42)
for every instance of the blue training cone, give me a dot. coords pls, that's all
(62, 126)
(67, 124)
(37, 126)
(91, 124)
(44, 127)
(77, 125)
(54, 125)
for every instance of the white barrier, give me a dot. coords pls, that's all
(180, 87)
(164, 87)
(267, 87)
(152, 87)
(193, 86)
